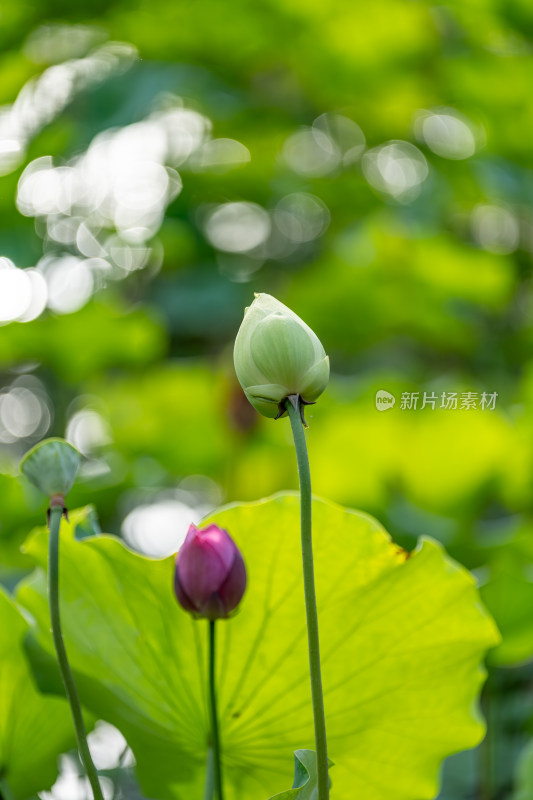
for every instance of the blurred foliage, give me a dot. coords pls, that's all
(30, 722)
(380, 159)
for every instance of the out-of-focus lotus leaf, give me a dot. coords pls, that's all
(508, 594)
(99, 336)
(22, 506)
(507, 591)
(524, 774)
(34, 729)
(174, 413)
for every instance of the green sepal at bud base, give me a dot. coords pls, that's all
(51, 466)
(277, 355)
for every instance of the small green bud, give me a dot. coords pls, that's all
(51, 466)
(277, 355)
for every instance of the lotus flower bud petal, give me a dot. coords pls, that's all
(51, 466)
(277, 355)
(315, 380)
(210, 576)
(231, 591)
(264, 398)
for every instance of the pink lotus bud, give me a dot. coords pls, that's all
(210, 576)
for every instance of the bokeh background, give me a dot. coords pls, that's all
(369, 164)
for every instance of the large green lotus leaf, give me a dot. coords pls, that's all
(402, 640)
(34, 728)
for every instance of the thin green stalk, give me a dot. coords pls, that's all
(310, 598)
(215, 738)
(209, 789)
(70, 687)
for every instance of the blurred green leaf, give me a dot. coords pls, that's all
(173, 413)
(507, 592)
(99, 336)
(524, 775)
(22, 507)
(34, 729)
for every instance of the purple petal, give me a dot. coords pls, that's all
(213, 608)
(182, 597)
(202, 563)
(221, 542)
(232, 589)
